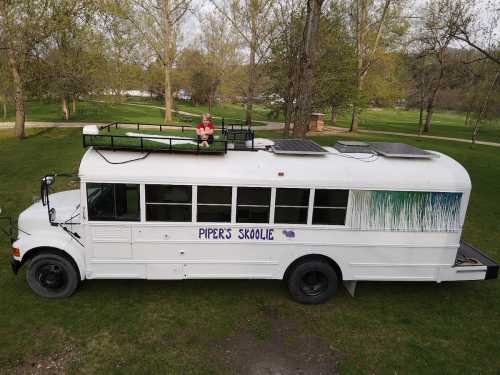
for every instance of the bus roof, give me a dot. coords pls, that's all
(265, 168)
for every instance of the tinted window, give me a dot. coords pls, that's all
(291, 206)
(168, 213)
(330, 206)
(253, 205)
(214, 204)
(331, 198)
(168, 194)
(168, 202)
(110, 202)
(254, 196)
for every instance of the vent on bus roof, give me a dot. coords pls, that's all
(298, 147)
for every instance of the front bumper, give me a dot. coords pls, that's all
(15, 265)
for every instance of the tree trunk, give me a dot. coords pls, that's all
(288, 117)
(421, 111)
(432, 98)
(73, 104)
(251, 69)
(65, 108)
(360, 25)
(363, 63)
(167, 59)
(305, 71)
(428, 117)
(19, 95)
(334, 115)
(430, 108)
(5, 110)
(484, 107)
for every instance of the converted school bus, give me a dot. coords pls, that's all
(313, 219)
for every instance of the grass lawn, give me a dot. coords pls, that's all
(135, 109)
(445, 124)
(212, 327)
(229, 111)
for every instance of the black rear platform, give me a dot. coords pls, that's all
(468, 255)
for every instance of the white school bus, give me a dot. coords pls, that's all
(312, 219)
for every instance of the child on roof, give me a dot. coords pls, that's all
(205, 130)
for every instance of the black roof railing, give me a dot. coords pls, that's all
(236, 137)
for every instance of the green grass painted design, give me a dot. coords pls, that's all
(405, 210)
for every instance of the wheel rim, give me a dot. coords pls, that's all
(313, 283)
(51, 276)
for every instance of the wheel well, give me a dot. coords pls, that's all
(308, 257)
(49, 250)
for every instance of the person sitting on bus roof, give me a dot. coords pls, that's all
(205, 130)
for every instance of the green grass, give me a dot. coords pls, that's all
(131, 110)
(233, 112)
(134, 109)
(445, 124)
(183, 327)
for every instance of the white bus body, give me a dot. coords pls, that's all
(201, 216)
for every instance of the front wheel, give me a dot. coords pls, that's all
(52, 276)
(312, 282)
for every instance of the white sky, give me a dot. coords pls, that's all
(190, 29)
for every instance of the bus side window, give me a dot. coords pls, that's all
(168, 203)
(253, 205)
(214, 204)
(330, 206)
(113, 202)
(291, 206)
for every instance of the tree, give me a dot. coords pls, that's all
(475, 24)
(335, 72)
(74, 54)
(156, 22)
(252, 20)
(367, 39)
(24, 25)
(220, 47)
(435, 38)
(194, 73)
(284, 56)
(307, 61)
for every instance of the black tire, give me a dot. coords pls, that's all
(312, 282)
(52, 276)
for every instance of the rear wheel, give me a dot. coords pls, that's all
(52, 276)
(312, 282)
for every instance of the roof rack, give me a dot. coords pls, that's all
(236, 137)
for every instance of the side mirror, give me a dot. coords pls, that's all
(44, 188)
(49, 180)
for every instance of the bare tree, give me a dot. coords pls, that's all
(366, 45)
(307, 60)
(252, 20)
(157, 22)
(438, 25)
(484, 106)
(476, 25)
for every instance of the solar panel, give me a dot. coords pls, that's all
(298, 147)
(400, 150)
